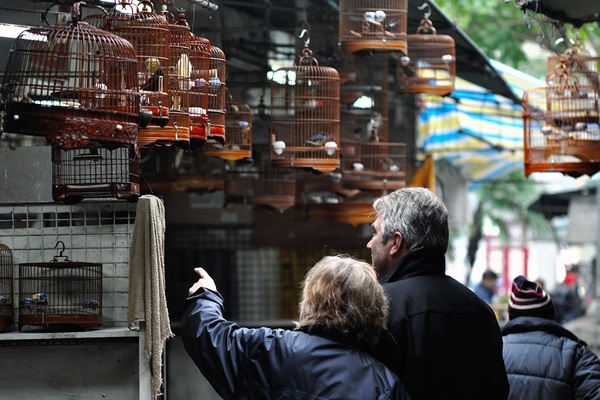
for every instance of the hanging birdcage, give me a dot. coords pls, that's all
(429, 66)
(6, 287)
(74, 84)
(275, 189)
(238, 124)
(561, 121)
(200, 60)
(372, 165)
(95, 172)
(373, 25)
(148, 32)
(217, 95)
(305, 115)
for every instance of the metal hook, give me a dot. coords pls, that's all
(428, 12)
(61, 252)
(302, 34)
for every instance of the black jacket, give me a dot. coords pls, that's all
(263, 363)
(546, 361)
(448, 339)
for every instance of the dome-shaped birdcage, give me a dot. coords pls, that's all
(6, 287)
(148, 32)
(73, 84)
(200, 60)
(373, 25)
(429, 66)
(561, 120)
(217, 99)
(238, 124)
(305, 115)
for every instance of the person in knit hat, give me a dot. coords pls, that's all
(543, 359)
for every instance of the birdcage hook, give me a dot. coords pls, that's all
(60, 255)
(305, 33)
(425, 6)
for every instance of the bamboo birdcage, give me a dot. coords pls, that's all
(429, 66)
(6, 287)
(148, 32)
(74, 84)
(217, 99)
(374, 165)
(562, 120)
(200, 60)
(238, 124)
(373, 25)
(305, 115)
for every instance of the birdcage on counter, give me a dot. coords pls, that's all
(373, 25)
(200, 60)
(6, 287)
(561, 120)
(60, 294)
(148, 32)
(305, 115)
(429, 66)
(95, 172)
(74, 84)
(217, 99)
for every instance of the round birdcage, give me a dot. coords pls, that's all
(373, 25)
(73, 84)
(430, 64)
(305, 115)
(217, 95)
(200, 60)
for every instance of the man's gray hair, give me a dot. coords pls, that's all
(418, 214)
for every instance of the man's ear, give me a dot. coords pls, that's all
(397, 243)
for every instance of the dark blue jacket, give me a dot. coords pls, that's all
(449, 343)
(546, 361)
(263, 363)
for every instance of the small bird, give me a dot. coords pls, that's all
(153, 83)
(319, 139)
(373, 127)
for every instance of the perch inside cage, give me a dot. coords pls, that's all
(561, 123)
(60, 293)
(373, 25)
(429, 66)
(6, 287)
(74, 84)
(305, 115)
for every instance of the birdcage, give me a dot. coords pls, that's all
(74, 84)
(238, 124)
(200, 60)
(430, 64)
(60, 293)
(561, 123)
(148, 32)
(305, 115)
(6, 287)
(274, 189)
(373, 25)
(374, 165)
(95, 172)
(217, 99)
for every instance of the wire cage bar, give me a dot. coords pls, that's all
(305, 115)
(200, 60)
(217, 99)
(73, 84)
(60, 294)
(430, 64)
(238, 124)
(95, 172)
(148, 32)
(373, 25)
(6, 287)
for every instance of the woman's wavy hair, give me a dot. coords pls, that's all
(418, 214)
(341, 298)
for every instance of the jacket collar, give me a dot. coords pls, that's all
(531, 324)
(417, 263)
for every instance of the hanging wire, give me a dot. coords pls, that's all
(427, 14)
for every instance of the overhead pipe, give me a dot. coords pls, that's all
(210, 6)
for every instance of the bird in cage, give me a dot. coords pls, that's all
(373, 127)
(320, 139)
(155, 82)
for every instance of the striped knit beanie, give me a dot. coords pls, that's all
(529, 300)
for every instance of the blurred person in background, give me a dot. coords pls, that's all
(543, 359)
(488, 287)
(447, 340)
(343, 311)
(569, 304)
